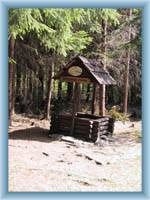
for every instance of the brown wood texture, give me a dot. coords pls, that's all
(86, 127)
(11, 79)
(91, 72)
(93, 100)
(75, 79)
(50, 85)
(126, 79)
(76, 105)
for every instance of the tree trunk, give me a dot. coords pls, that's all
(11, 80)
(18, 81)
(26, 88)
(18, 88)
(50, 85)
(126, 81)
(30, 92)
(102, 88)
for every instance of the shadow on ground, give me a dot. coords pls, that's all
(42, 135)
(35, 133)
(38, 134)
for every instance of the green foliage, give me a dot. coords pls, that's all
(57, 34)
(114, 113)
(22, 21)
(11, 61)
(78, 41)
(55, 27)
(117, 46)
(110, 15)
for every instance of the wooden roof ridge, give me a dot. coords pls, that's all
(95, 66)
(65, 67)
(96, 71)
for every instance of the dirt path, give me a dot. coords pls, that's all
(39, 163)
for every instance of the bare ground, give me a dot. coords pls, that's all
(39, 163)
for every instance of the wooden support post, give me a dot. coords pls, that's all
(102, 100)
(76, 105)
(94, 100)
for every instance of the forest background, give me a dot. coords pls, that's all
(42, 41)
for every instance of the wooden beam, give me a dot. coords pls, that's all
(93, 100)
(102, 92)
(76, 105)
(75, 79)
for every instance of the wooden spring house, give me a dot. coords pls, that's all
(89, 126)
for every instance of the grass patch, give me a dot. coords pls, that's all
(138, 136)
(115, 114)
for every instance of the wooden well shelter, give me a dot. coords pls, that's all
(89, 126)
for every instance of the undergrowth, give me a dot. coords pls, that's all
(114, 113)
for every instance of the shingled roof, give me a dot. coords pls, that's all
(92, 72)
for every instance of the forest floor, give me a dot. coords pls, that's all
(39, 163)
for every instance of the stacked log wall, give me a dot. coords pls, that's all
(85, 127)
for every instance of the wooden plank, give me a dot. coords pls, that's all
(101, 128)
(75, 79)
(77, 121)
(84, 117)
(86, 128)
(64, 116)
(67, 130)
(65, 119)
(67, 123)
(87, 116)
(76, 131)
(64, 127)
(82, 131)
(101, 124)
(86, 123)
(82, 137)
(104, 123)
(83, 122)
(63, 132)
